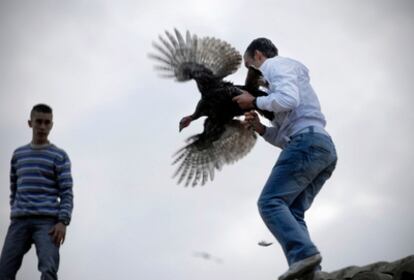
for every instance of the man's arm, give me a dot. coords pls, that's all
(283, 90)
(252, 119)
(13, 180)
(268, 133)
(65, 182)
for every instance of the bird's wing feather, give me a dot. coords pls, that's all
(180, 55)
(209, 151)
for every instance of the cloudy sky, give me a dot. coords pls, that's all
(118, 121)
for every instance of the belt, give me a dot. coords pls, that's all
(311, 129)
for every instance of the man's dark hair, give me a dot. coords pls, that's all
(263, 45)
(41, 108)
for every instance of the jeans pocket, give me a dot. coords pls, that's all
(320, 149)
(317, 158)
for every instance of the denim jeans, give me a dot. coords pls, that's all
(22, 233)
(298, 175)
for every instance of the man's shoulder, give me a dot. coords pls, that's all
(57, 150)
(22, 148)
(282, 64)
(283, 60)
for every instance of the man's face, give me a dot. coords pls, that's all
(41, 124)
(255, 61)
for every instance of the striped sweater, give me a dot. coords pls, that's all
(41, 182)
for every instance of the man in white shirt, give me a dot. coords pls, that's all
(308, 155)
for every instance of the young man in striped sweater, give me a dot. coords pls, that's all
(41, 200)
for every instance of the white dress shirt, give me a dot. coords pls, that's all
(291, 98)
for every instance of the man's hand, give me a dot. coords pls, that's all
(58, 233)
(252, 119)
(244, 100)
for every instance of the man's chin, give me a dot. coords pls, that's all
(42, 140)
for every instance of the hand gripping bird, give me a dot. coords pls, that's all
(224, 139)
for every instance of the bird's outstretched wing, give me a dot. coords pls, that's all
(210, 150)
(179, 56)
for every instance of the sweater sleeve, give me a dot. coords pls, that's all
(65, 183)
(13, 180)
(283, 89)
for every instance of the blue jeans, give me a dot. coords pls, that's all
(298, 175)
(21, 234)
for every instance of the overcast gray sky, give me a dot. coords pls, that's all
(118, 121)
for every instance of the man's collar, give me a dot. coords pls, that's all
(41, 146)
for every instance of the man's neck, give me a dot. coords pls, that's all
(38, 144)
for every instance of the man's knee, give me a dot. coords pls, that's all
(298, 214)
(49, 268)
(267, 206)
(49, 262)
(49, 275)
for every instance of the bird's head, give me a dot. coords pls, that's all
(255, 79)
(185, 122)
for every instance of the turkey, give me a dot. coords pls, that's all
(224, 139)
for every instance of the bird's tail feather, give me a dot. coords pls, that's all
(198, 160)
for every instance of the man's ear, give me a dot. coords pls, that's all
(29, 122)
(258, 55)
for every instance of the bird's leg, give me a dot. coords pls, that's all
(185, 122)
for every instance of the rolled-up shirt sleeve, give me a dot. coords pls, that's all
(270, 135)
(283, 89)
